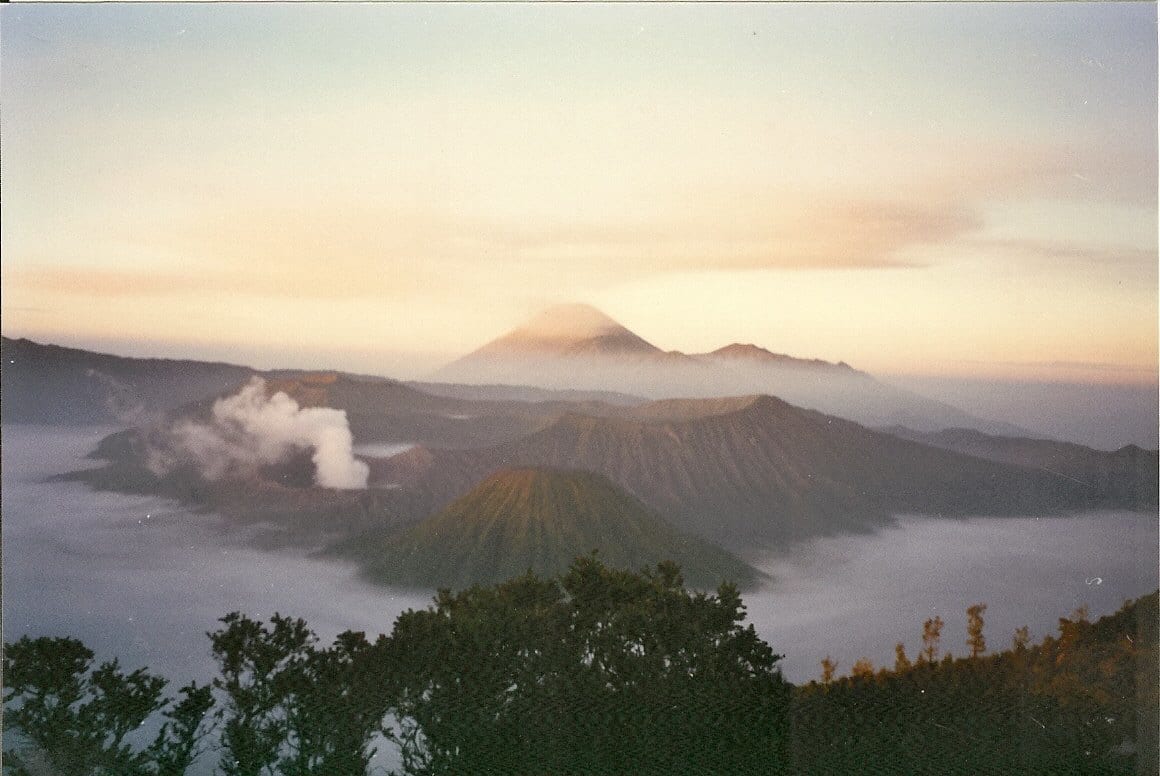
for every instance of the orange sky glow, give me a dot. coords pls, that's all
(914, 189)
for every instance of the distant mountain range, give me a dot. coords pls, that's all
(746, 472)
(568, 355)
(540, 519)
(577, 347)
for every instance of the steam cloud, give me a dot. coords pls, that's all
(251, 429)
(120, 398)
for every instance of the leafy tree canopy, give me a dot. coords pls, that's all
(76, 718)
(599, 671)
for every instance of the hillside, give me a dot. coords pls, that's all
(576, 348)
(1127, 475)
(542, 519)
(760, 470)
(389, 411)
(836, 389)
(381, 410)
(53, 385)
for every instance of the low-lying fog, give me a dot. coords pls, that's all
(143, 579)
(857, 596)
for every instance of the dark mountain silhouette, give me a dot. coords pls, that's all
(1128, 475)
(579, 348)
(53, 385)
(540, 520)
(758, 470)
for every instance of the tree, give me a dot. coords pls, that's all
(901, 661)
(1083, 703)
(829, 666)
(931, 633)
(337, 708)
(1021, 639)
(76, 717)
(599, 671)
(975, 640)
(863, 668)
(180, 741)
(291, 708)
(256, 668)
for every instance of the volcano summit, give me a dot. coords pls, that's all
(577, 347)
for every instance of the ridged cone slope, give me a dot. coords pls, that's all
(542, 519)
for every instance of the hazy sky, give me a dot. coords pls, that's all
(946, 189)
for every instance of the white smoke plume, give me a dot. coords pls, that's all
(120, 399)
(251, 429)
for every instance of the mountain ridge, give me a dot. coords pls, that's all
(1130, 472)
(762, 471)
(738, 351)
(59, 385)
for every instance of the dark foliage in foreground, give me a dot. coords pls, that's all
(602, 671)
(596, 672)
(77, 717)
(1081, 703)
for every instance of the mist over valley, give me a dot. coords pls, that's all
(143, 578)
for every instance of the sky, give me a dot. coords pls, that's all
(916, 189)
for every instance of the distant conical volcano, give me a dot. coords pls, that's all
(565, 330)
(577, 347)
(541, 519)
(573, 328)
(574, 346)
